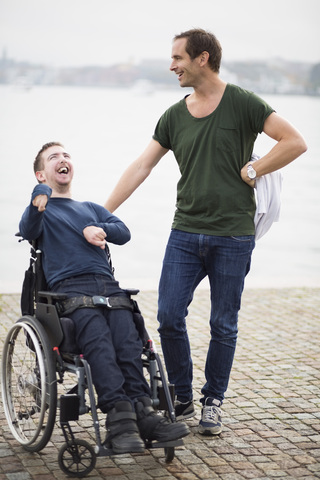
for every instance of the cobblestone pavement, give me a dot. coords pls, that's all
(271, 413)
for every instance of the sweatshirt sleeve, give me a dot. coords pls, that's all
(30, 226)
(117, 232)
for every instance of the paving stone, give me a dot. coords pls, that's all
(271, 413)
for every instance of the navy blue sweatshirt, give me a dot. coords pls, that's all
(66, 252)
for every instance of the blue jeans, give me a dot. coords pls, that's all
(109, 342)
(188, 259)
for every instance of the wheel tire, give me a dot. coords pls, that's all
(77, 459)
(29, 387)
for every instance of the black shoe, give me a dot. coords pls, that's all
(184, 410)
(122, 430)
(153, 426)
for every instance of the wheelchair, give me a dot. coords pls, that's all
(38, 353)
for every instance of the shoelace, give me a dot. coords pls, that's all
(211, 413)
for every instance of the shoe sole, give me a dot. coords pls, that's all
(185, 417)
(209, 430)
(175, 435)
(125, 447)
(119, 451)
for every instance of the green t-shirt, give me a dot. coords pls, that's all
(212, 198)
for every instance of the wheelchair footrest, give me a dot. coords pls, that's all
(172, 443)
(103, 451)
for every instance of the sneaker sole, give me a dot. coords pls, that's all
(209, 430)
(185, 417)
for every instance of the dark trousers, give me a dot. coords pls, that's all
(109, 342)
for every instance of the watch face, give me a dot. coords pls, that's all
(251, 172)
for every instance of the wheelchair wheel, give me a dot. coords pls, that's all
(29, 388)
(77, 458)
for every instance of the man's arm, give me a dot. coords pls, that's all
(106, 227)
(290, 145)
(135, 174)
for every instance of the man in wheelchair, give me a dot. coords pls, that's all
(73, 239)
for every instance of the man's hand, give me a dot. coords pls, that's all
(95, 235)
(40, 201)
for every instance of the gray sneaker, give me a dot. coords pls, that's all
(184, 410)
(210, 423)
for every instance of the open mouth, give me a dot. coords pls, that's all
(64, 170)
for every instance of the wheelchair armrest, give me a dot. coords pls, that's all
(131, 291)
(18, 234)
(52, 297)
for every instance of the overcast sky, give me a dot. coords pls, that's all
(105, 32)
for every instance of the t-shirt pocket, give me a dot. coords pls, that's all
(228, 139)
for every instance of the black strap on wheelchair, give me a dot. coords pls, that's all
(33, 281)
(65, 307)
(27, 294)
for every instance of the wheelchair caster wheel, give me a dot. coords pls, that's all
(77, 459)
(169, 453)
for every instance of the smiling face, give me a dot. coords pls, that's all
(182, 64)
(56, 169)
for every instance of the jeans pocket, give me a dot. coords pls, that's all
(243, 238)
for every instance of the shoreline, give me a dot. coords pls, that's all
(151, 284)
(204, 287)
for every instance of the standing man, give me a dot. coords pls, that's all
(211, 133)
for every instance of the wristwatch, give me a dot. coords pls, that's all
(251, 172)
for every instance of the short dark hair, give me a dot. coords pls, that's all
(38, 162)
(198, 41)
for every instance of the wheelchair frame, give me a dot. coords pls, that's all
(34, 363)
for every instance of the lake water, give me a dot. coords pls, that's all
(106, 129)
